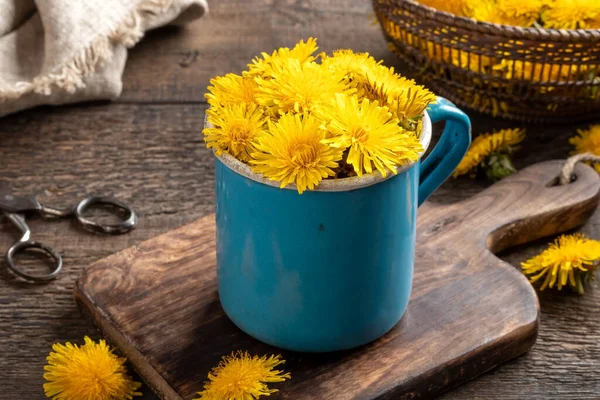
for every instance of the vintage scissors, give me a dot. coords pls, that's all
(15, 208)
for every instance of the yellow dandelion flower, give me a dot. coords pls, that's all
(508, 12)
(243, 377)
(88, 372)
(294, 152)
(299, 87)
(572, 14)
(371, 134)
(355, 66)
(569, 261)
(235, 130)
(302, 52)
(405, 99)
(587, 141)
(484, 146)
(232, 89)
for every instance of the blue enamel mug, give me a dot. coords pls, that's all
(329, 269)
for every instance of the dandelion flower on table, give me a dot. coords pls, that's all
(570, 261)
(303, 52)
(485, 146)
(572, 14)
(236, 129)
(587, 141)
(300, 88)
(87, 372)
(243, 377)
(231, 89)
(371, 134)
(294, 152)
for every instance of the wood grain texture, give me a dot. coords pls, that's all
(469, 311)
(149, 154)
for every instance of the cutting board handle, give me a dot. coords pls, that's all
(520, 208)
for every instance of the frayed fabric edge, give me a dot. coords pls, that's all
(71, 76)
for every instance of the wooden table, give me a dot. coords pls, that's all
(147, 149)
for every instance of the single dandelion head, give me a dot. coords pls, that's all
(87, 372)
(231, 89)
(572, 14)
(355, 66)
(587, 141)
(491, 150)
(508, 12)
(235, 130)
(244, 377)
(300, 88)
(569, 261)
(371, 134)
(294, 152)
(405, 99)
(303, 52)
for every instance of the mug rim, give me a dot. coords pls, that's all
(327, 185)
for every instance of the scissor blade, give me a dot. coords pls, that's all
(18, 204)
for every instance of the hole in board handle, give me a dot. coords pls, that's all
(556, 181)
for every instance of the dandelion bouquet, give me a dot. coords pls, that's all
(298, 118)
(557, 14)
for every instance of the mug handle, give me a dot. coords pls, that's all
(450, 149)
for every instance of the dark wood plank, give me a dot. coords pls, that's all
(469, 311)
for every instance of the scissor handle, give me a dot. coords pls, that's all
(112, 229)
(30, 244)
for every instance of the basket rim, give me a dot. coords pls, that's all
(510, 31)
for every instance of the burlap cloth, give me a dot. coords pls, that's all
(65, 51)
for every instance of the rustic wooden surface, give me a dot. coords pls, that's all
(135, 298)
(147, 150)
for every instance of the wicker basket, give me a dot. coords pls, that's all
(525, 74)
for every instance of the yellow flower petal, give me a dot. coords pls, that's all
(236, 129)
(295, 152)
(486, 144)
(88, 372)
(371, 134)
(587, 141)
(299, 87)
(562, 260)
(243, 377)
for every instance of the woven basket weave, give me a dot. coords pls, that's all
(525, 74)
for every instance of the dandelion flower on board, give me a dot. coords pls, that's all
(243, 377)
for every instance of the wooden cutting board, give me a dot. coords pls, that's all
(469, 311)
